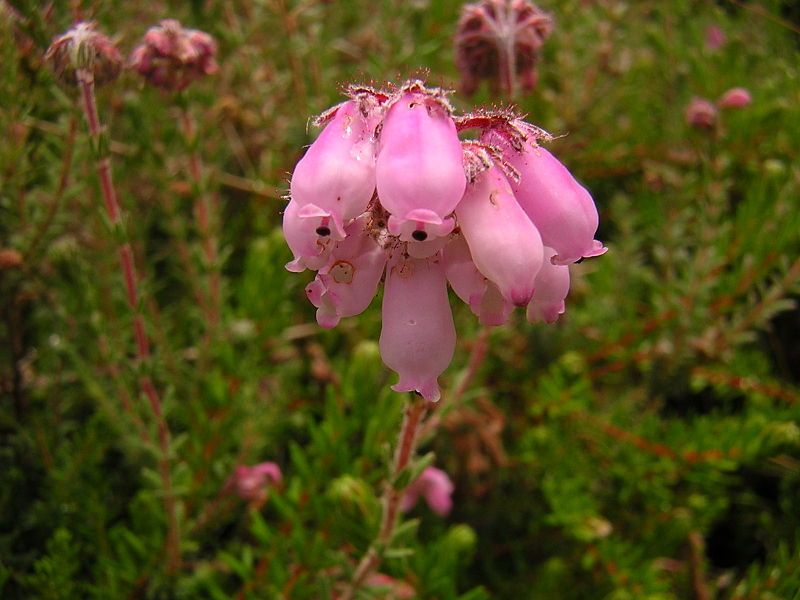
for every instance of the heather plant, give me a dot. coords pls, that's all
(644, 445)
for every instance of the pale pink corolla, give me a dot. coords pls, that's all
(435, 486)
(560, 207)
(250, 482)
(735, 98)
(505, 245)
(418, 337)
(335, 179)
(469, 284)
(701, 113)
(310, 250)
(552, 287)
(419, 170)
(348, 283)
(715, 37)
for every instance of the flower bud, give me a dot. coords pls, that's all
(482, 296)
(419, 170)
(560, 207)
(551, 289)
(418, 337)
(348, 283)
(301, 228)
(171, 57)
(337, 173)
(701, 113)
(503, 242)
(84, 52)
(735, 98)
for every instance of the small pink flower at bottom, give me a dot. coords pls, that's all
(395, 589)
(346, 286)
(435, 486)
(250, 482)
(418, 337)
(735, 98)
(552, 287)
(482, 296)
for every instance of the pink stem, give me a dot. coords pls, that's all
(86, 84)
(414, 412)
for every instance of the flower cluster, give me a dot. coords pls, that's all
(500, 41)
(389, 188)
(171, 57)
(703, 114)
(84, 50)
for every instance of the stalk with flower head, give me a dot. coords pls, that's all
(389, 191)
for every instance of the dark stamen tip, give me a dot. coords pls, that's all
(323, 231)
(419, 235)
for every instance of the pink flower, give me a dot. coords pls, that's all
(504, 243)
(551, 288)
(310, 249)
(435, 486)
(738, 97)
(701, 113)
(418, 337)
(419, 170)
(348, 283)
(172, 57)
(715, 37)
(86, 50)
(482, 296)
(335, 180)
(250, 482)
(559, 206)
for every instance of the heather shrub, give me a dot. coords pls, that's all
(176, 423)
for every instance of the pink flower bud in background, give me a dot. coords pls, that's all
(504, 243)
(250, 482)
(715, 37)
(469, 284)
(552, 287)
(419, 170)
(310, 250)
(418, 337)
(559, 206)
(701, 113)
(84, 49)
(349, 282)
(171, 57)
(500, 40)
(738, 97)
(435, 486)
(337, 174)
(396, 589)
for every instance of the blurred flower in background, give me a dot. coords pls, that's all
(435, 487)
(251, 482)
(499, 41)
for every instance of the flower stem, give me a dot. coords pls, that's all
(205, 216)
(406, 445)
(99, 143)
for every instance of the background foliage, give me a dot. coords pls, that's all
(646, 446)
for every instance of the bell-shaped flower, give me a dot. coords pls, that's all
(435, 486)
(505, 245)
(418, 336)
(348, 283)
(558, 205)
(469, 284)
(419, 170)
(335, 180)
(552, 287)
(310, 249)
